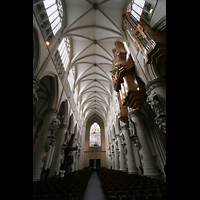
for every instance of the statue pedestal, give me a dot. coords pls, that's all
(62, 173)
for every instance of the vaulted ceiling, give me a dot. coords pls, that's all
(94, 26)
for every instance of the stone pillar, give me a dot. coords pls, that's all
(113, 155)
(57, 156)
(147, 159)
(109, 157)
(121, 154)
(75, 160)
(116, 150)
(73, 154)
(129, 155)
(50, 148)
(35, 88)
(51, 155)
(78, 156)
(156, 91)
(39, 148)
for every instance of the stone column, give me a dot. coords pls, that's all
(73, 154)
(129, 155)
(51, 154)
(75, 160)
(78, 156)
(57, 156)
(109, 157)
(148, 162)
(156, 91)
(39, 149)
(121, 154)
(35, 88)
(116, 150)
(113, 155)
(77, 153)
(50, 148)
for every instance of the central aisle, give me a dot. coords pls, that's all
(94, 190)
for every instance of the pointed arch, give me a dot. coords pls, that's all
(95, 135)
(36, 49)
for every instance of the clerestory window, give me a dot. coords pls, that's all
(49, 14)
(141, 9)
(64, 50)
(135, 7)
(95, 135)
(55, 13)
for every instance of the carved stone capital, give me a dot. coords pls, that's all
(154, 101)
(63, 147)
(117, 135)
(123, 125)
(161, 121)
(134, 112)
(52, 111)
(117, 152)
(52, 139)
(64, 126)
(116, 141)
(50, 142)
(125, 150)
(158, 82)
(136, 143)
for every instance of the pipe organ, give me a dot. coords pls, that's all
(150, 42)
(130, 89)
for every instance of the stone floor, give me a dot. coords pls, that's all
(94, 190)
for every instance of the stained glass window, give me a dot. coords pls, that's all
(95, 135)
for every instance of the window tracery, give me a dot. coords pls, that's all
(141, 8)
(49, 14)
(55, 13)
(95, 135)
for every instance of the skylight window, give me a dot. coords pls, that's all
(55, 13)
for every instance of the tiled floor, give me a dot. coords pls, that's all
(94, 190)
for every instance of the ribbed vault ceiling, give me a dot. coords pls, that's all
(94, 26)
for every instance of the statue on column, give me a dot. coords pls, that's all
(55, 126)
(154, 101)
(133, 134)
(123, 144)
(50, 142)
(131, 126)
